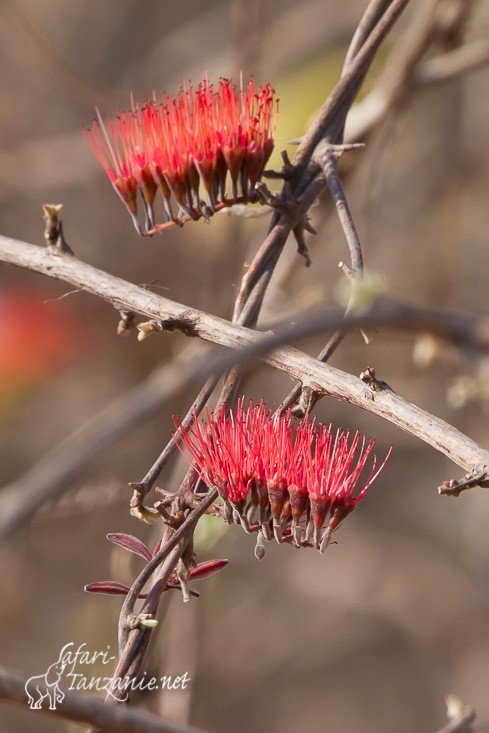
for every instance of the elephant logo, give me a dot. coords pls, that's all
(46, 686)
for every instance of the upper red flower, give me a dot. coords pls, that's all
(178, 145)
(303, 481)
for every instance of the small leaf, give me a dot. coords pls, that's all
(110, 588)
(131, 543)
(204, 569)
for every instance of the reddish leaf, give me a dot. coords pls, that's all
(131, 543)
(204, 569)
(110, 588)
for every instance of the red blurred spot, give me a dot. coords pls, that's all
(37, 337)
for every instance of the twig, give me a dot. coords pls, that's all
(90, 709)
(141, 488)
(478, 477)
(303, 398)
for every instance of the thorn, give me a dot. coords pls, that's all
(53, 231)
(308, 226)
(339, 150)
(302, 247)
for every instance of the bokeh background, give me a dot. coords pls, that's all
(373, 635)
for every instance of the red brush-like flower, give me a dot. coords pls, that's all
(302, 481)
(200, 139)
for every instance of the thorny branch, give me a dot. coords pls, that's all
(321, 377)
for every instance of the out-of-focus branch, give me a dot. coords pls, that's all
(461, 717)
(461, 60)
(341, 98)
(51, 476)
(90, 709)
(406, 69)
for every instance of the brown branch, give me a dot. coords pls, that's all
(183, 534)
(134, 637)
(89, 709)
(461, 60)
(303, 399)
(370, 18)
(320, 377)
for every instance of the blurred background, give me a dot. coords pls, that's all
(374, 634)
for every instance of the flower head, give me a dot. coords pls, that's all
(196, 144)
(301, 481)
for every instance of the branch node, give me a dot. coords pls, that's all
(306, 401)
(478, 476)
(144, 514)
(369, 377)
(141, 621)
(286, 173)
(347, 270)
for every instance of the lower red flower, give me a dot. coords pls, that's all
(298, 483)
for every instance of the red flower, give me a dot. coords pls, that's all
(303, 481)
(179, 145)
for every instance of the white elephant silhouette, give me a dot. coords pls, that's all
(46, 685)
